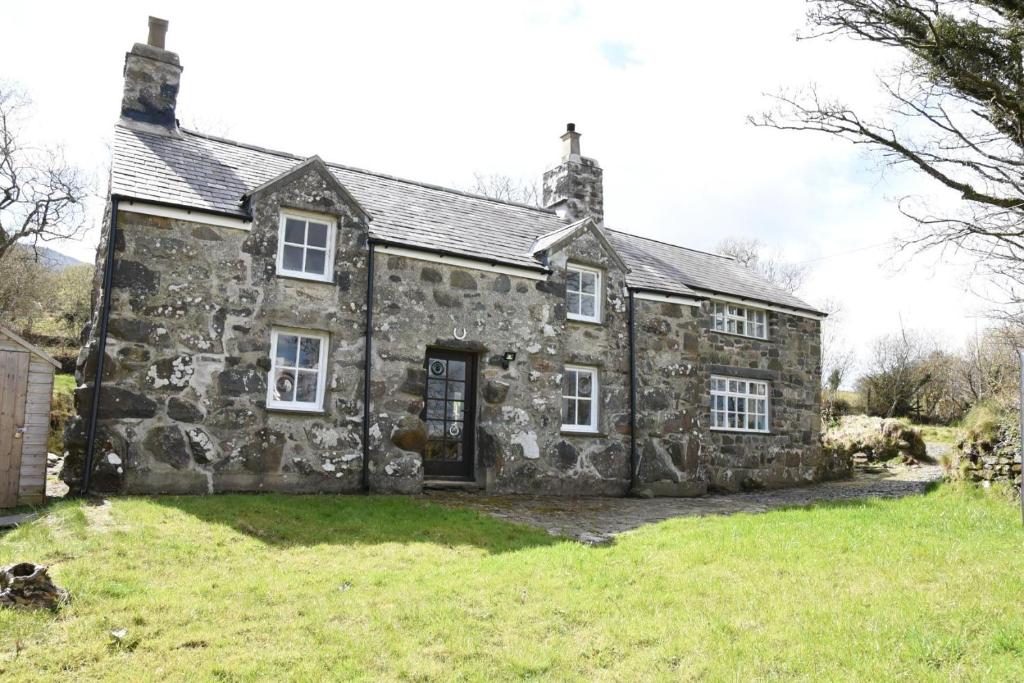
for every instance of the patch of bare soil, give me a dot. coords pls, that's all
(99, 515)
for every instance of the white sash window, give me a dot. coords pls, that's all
(579, 399)
(298, 370)
(583, 294)
(742, 320)
(305, 246)
(739, 405)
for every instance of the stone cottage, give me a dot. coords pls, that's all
(271, 322)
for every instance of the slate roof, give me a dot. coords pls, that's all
(661, 267)
(207, 173)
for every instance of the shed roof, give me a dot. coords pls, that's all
(212, 174)
(28, 346)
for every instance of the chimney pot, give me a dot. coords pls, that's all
(571, 142)
(157, 32)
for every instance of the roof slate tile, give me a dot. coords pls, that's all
(200, 172)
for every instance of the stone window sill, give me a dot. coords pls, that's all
(752, 432)
(588, 435)
(580, 321)
(296, 277)
(740, 336)
(295, 411)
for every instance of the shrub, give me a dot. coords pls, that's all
(984, 421)
(833, 409)
(877, 438)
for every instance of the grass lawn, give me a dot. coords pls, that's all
(273, 587)
(63, 383)
(944, 434)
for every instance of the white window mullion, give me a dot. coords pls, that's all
(326, 230)
(578, 280)
(744, 321)
(574, 417)
(293, 369)
(739, 405)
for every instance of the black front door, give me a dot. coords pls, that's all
(449, 413)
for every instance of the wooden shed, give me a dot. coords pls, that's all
(26, 388)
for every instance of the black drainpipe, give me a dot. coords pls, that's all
(101, 348)
(367, 366)
(633, 474)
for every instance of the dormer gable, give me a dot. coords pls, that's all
(312, 164)
(545, 246)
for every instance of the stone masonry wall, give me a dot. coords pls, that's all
(152, 77)
(790, 360)
(183, 401)
(183, 405)
(520, 448)
(576, 184)
(671, 399)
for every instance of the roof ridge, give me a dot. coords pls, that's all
(670, 244)
(378, 174)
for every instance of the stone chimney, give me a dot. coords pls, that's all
(152, 75)
(574, 188)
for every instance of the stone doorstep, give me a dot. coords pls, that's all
(450, 485)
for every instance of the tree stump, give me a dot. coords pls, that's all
(29, 585)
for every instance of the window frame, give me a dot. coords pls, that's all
(598, 293)
(747, 397)
(746, 315)
(307, 217)
(321, 385)
(595, 398)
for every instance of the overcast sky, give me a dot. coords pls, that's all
(437, 91)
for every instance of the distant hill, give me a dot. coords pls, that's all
(54, 260)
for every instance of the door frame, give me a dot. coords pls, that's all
(467, 472)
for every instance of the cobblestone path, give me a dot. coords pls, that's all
(596, 520)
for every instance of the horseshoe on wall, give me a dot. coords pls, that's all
(458, 336)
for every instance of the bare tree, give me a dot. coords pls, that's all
(956, 114)
(896, 373)
(71, 306)
(988, 367)
(750, 253)
(506, 188)
(41, 194)
(24, 289)
(837, 356)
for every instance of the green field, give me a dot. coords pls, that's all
(271, 587)
(944, 434)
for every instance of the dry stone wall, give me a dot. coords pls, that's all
(987, 460)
